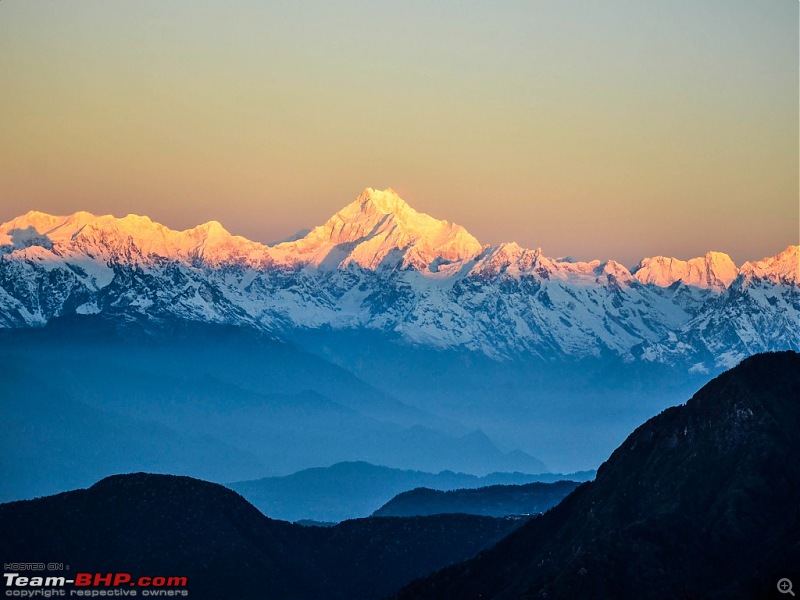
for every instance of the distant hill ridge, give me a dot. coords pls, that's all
(493, 501)
(348, 489)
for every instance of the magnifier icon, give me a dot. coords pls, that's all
(785, 586)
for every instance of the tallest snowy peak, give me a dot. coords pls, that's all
(374, 205)
(384, 201)
(380, 228)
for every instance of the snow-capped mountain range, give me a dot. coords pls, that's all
(382, 266)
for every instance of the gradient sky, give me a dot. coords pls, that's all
(592, 128)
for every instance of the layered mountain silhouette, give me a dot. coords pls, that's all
(167, 525)
(702, 501)
(356, 489)
(699, 502)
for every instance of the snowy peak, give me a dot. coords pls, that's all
(783, 268)
(35, 225)
(514, 261)
(616, 273)
(714, 271)
(425, 280)
(384, 202)
(508, 258)
(25, 231)
(379, 228)
(133, 237)
(375, 231)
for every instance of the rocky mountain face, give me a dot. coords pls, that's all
(699, 502)
(380, 266)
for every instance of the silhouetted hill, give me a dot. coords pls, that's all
(177, 526)
(702, 501)
(354, 489)
(491, 501)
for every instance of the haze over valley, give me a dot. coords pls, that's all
(383, 335)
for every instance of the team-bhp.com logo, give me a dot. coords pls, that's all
(94, 585)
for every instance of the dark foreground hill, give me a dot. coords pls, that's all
(702, 501)
(162, 525)
(491, 501)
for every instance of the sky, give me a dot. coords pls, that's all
(595, 129)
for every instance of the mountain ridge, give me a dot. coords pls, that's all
(357, 488)
(378, 264)
(498, 500)
(352, 224)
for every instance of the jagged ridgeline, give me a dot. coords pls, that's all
(378, 265)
